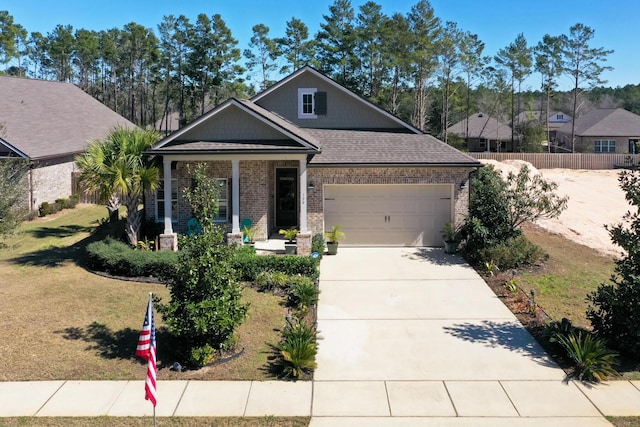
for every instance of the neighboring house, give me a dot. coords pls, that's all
(308, 153)
(605, 130)
(485, 133)
(49, 123)
(556, 120)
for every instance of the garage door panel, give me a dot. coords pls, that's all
(389, 215)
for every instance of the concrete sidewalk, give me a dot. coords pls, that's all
(335, 402)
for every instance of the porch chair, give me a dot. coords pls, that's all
(246, 222)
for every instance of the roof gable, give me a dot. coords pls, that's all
(345, 109)
(239, 121)
(50, 119)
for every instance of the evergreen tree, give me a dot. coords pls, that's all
(261, 55)
(583, 63)
(615, 310)
(295, 46)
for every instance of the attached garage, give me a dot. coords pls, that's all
(389, 215)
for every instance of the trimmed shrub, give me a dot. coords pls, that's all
(44, 209)
(512, 254)
(118, 259)
(249, 265)
(317, 245)
(73, 201)
(62, 203)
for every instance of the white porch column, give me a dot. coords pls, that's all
(235, 196)
(168, 229)
(303, 196)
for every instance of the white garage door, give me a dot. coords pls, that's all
(389, 215)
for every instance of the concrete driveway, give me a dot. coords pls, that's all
(418, 314)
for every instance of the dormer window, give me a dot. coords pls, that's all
(560, 116)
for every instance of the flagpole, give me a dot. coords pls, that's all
(154, 406)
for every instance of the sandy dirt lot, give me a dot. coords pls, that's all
(595, 200)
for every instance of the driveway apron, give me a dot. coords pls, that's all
(407, 314)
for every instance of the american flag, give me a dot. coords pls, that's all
(147, 350)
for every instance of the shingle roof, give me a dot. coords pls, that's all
(48, 119)
(210, 147)
(344, 147)
(482, 126)
(606, 122)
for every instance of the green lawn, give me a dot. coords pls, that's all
(60, 321)
(570, 274)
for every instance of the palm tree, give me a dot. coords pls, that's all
(116, 169)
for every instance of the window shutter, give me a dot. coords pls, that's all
(321, 103)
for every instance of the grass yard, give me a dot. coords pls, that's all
(60, 321)
(571, 273)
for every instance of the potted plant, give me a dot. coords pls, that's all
(451, 238)
(290, 235)
(333, 237)
(249, 234)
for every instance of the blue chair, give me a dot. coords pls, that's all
(245, 223)
(193, 227)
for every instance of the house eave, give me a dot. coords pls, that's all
(473, 165)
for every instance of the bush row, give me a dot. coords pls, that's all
(118, 259)
(248, 264)
(47, 208)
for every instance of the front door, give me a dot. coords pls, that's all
(633, 146)
(286, 197)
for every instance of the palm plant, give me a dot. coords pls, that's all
(593, 361)
(116, 169)
(298, 350)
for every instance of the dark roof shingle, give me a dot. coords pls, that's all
(48, 119)
(345, 147)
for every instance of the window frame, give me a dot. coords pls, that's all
(223, 201)
(302, 92)
(604, 146)
(174, 200)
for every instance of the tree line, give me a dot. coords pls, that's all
(428, 72)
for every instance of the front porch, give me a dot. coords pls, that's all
(267, 191)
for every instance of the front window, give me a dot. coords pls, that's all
(604, 146)
(160, 201)
(223, 200)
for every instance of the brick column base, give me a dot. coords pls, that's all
(303, 243)
(235, 238)
(168, 242)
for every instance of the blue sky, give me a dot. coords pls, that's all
(497, 22)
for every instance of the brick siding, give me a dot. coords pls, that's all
(257, 189)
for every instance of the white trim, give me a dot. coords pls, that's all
(301, 93)
(18, 152)
(242, 107)
(235, 196)
(168, 228)
(302, 186)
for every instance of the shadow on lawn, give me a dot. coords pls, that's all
(509, 335)
(55, 256)
(60, 232)
(119, 344)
